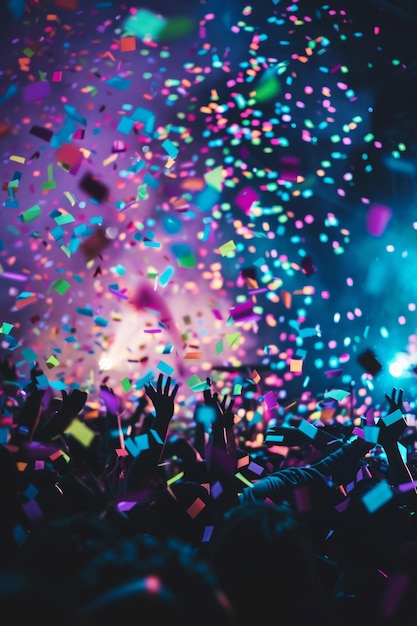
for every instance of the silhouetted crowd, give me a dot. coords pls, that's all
(108, 516)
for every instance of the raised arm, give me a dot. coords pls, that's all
(391, 427)
(162, 397)
(221, 456)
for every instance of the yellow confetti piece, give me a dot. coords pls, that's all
(52, 361)
(175, 478)
(80, 432)
(70, 197)
(228, 247)
(244, 480)
(215, 177)
(110, 159)
(170, 163)
(296, 365)
(17, 159)
(232, 339)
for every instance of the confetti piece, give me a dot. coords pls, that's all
(369, 362)
(337, 394)
(165, 368)
(307, 428)
(5, 328)
(81, 432)
(393, 417)
(128, 44)
(60, 285)
(377, 219)
(144, 24)
(31, 213)
(69, 157)
(270, 400)
(42, 133)
(51, 362)
(227, 248)
(94, 188)
(195, 508)
(296, 366)
(73, 114)
(244, 312)
(378, 496)
(215, 178)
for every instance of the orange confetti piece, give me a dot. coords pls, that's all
(128, 44)
(286, 299)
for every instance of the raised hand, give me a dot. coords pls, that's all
(227, 411)
(390, 430)
(210, 399)
(110, 399)
(71, 404)
(395, 402)
(162, 397)
(224, 410)
(391, 427)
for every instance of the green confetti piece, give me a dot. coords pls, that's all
(31, 214)
(243, 479)
(187, 261)
(175, 478)
(336, 394)
(60, 285)
(215, 178)
(52, 361)
(175, 27)
(232, 339)
(268, 89)
(47, 185)
(145, 23)
(64, 218)
(126, 384)
(6, 328)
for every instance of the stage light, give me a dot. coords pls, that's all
(105, 364)
(400, 365)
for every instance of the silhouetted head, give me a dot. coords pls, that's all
(262, 556)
